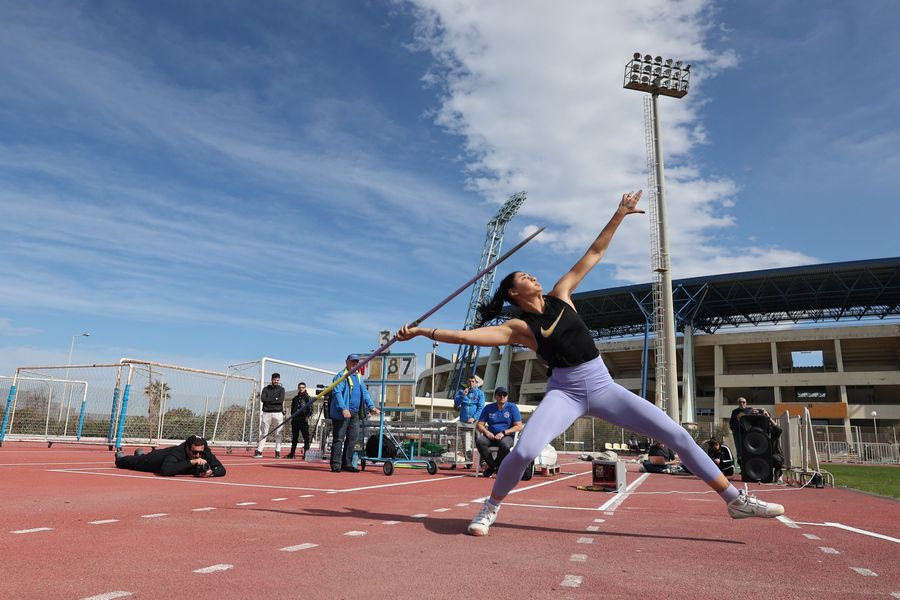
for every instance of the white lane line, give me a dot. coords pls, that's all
(551, 506)
(811, 536)
(440, 510)
(419, 516)
(463, 504)
(788, 521)
(245, 503)
(895, 594)
(204, 509)
(572, 581)
(585, 540)
(307, 496)
(385, 485)
(103, 522)
(191, 480)
(214, 568)
(305, 546)
(854, 530)
(593, 528)
(599, 520)
(828, 550)
(108, 596)
(356, 533)
(278, 499)
(154, 515)
(609, 513)
(35, 530)
(865, 572)
(537, 485)
(613, 503)
(390, 522)
(578, 558)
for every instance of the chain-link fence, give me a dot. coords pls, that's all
(61, 403)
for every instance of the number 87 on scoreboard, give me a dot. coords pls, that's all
(392, 379)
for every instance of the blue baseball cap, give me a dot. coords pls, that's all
(353, 357)
(501, 391)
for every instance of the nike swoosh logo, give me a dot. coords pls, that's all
(548, 332)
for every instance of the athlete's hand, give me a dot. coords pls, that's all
(407, 333)
(628, 205)
(345, 413)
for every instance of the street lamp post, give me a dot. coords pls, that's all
(66, 385)
(434, 346)
(875, 425)
(668, 78)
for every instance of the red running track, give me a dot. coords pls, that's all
(280, 528)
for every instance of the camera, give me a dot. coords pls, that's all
(199, 470)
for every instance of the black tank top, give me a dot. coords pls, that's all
(563, 340)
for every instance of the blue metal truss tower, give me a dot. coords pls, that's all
(481, 291)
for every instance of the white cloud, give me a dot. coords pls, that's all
(535, 90)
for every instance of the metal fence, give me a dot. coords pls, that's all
(859, 452)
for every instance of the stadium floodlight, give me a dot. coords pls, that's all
(672, 78)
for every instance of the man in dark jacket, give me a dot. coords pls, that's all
(300, 424)
(721, 455)
(191, 457)
(734, 423)
(660, 459)
(272, 403)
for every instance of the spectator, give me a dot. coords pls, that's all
(191, 457)
(734, 423)
(721, 455)
(300, 422)
(350, 401)
(633, 444)
(271, 416)
(497, 426)
(469, 401)
(660, 459)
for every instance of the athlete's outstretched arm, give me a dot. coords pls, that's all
(514, 331)
(567, 284)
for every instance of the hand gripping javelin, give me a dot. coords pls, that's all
(415, 323)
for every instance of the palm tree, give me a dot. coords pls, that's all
(158, 394)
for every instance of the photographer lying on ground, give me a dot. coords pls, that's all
(191, 457)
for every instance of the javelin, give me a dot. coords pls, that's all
(415, 323)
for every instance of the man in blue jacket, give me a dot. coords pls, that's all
(469, 402)
(497, 426)
(350, 402)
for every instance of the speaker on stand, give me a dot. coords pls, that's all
(756, 449)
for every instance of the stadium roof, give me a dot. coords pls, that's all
(826, 292)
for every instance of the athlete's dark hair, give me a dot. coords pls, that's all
(491, 309)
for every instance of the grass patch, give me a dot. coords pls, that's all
(881, 480)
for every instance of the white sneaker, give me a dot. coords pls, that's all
(483, 520)
(747, 505)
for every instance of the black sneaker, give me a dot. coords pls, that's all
(335, 469)
(257, 454)
(278, 455)
(138, 451)
(291, 455)
(350, 469)
(489, 472)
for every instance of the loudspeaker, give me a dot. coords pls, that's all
(756, 449)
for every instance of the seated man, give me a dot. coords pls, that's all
(721, 455)
(497, 426)
(191, 457)
(660, 459)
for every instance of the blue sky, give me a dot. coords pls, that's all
(212, 182)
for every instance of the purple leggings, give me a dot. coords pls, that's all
(588, 389)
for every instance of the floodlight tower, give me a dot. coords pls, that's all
(656, 77)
